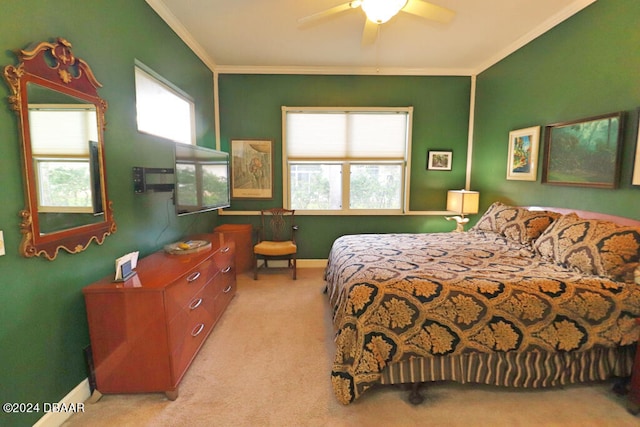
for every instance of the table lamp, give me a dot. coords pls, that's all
(462, 202)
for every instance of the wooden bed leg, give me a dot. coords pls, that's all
(415, 398)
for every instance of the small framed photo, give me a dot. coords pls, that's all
(251, 169)
(439, 160)
(522, 162)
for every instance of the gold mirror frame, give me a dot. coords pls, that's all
(53, 66)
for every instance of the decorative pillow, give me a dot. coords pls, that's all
(494, 217)
(592, 246)
(548, 243)
(636, 275)
(526, 225)
(515, 223)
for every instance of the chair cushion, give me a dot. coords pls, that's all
(275, 248)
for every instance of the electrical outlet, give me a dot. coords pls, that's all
(1, 242)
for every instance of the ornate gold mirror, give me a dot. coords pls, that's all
(61, 120)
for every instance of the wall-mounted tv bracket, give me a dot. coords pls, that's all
(146, 179)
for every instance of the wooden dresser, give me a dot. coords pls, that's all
(145, 332)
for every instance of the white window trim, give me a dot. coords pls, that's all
(286, 197)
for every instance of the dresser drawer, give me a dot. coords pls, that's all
(189, 328)
(221, 290)
(225, 285)
(225, 257)
(180, 294)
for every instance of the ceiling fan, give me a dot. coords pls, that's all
(380, 11)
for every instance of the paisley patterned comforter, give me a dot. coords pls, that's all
(400, 296)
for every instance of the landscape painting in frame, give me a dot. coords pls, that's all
(251, 169)
(439, 160)
(522, 163)
(584, 152)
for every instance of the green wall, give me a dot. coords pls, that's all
(43, 327)
(587, 66)
(250, 107)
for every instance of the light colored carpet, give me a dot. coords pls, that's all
(268, 363)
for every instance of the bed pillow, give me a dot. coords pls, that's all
(592, 246)
(515, 223)
(494, 217)
(526, 226)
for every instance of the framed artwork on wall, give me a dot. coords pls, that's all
(439, 160)
(251, 169)
(635, 180)
(522, 160)
(584, 152)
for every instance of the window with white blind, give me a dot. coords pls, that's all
(61, 137)
(162, 109)
(346, 161)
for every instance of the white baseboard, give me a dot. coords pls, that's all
(77, 396)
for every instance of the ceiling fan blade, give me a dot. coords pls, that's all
(326, 13)
(429, 11)
(370, 32)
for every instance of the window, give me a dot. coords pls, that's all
(350, 161)
(162, 109)
(62, 136)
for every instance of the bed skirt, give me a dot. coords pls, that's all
(535, 369)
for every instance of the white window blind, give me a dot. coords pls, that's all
(62, 131)
(346, 135)
(351, 161)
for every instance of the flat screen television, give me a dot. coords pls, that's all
(201, 179)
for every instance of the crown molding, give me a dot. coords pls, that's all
(547, 25)
(371, 71)
(174, 23)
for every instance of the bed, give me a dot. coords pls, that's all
(528, 297)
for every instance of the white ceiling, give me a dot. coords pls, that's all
(263, 36)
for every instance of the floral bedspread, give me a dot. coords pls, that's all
(398, 296)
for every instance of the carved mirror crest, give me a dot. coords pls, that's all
(61, 121)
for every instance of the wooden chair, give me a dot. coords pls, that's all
(276, 239)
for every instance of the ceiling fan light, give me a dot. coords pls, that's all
(380, 11)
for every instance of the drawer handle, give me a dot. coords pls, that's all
(195, 304)
(226, 270)
(193, 276)
(225, 250)
(196, 331)
(228, 289)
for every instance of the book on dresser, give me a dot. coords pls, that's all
(146, 331)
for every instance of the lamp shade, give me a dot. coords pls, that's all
(463, 201)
